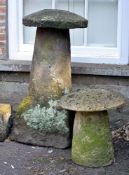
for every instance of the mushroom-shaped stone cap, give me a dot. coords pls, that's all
(91, 100)
(53, 18)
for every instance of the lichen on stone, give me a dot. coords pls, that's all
(92, 142)
(47, 118)
(25, 104)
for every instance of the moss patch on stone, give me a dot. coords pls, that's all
(47, 118)
(25, 104)
(92, 143)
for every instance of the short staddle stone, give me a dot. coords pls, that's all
(53, 18)
(92, 142)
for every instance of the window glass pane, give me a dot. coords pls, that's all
(102, 17)
(30, 6)
(77, 35)
(62, 4)
(78, 6)
(102, 28)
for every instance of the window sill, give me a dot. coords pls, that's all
(77, 68)
(15, 66)
(100, 69)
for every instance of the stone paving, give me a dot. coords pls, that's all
(19, 159)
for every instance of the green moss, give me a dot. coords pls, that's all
(47, 118)
(92, 143)
(25, 104)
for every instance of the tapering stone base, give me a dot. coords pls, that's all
(92, 142)
(51, 66)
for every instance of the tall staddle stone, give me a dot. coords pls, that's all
(51, 66)
(50, 79)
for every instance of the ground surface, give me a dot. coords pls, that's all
(19, 159)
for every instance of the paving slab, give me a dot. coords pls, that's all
(19, 159)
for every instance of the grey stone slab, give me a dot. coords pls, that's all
(21, 77)
(120, 166)
(117, 172)
(28, 160)
(22, 133)
(100, 69)
(100, 80)
(15, 66)
(77, 68)
(53, 18)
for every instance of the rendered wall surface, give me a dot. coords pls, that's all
(14, 85)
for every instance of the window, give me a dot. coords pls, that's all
(106, 40)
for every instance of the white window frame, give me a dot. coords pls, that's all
(82, 54)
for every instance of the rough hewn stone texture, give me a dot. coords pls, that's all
(24, 134)
(51, 66)
(92, 142)
(91, 99)
(5, 114)
(50, 76)
(52, 18)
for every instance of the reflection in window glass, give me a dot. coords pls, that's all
(102, 20)
(30, 6)
(78, 6)
(102, 28)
